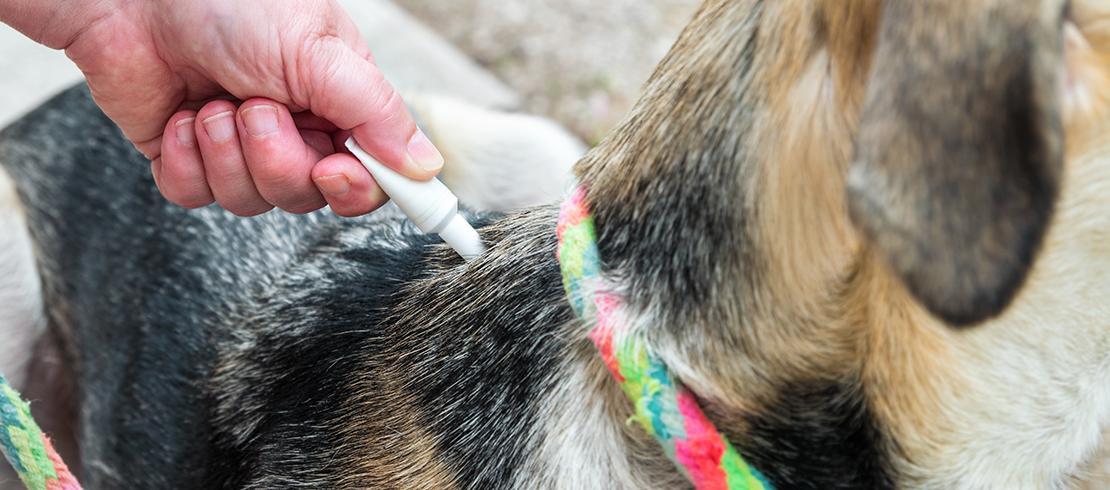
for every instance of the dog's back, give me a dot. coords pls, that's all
(151, 284)
(215, 350)
(153, 287)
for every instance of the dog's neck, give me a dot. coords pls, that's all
(719, 201)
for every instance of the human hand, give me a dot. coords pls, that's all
(247, 103)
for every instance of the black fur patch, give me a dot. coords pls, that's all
(307, 342)
(679, 249)
(368, 328)
(216, 351)
(817, 435)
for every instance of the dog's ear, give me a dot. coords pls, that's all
(959, 153)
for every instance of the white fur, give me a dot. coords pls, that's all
(1096, 475)
(498, 160)
(579, 446)
(582, 441)
(21, 313)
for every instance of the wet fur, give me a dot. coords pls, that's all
(731, 205)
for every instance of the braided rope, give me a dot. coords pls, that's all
(27, 449)
(663, 407)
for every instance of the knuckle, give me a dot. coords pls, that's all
(278, 187)
(271, 171)
(316, 68)
(185, 191)
(392, 110)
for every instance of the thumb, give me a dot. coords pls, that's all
(349, 91)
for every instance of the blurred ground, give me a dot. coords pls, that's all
(30, 74)
(581, 62)
(412, 56)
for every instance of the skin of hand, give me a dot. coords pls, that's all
(244, 103)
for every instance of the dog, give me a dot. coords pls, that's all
(869, 236)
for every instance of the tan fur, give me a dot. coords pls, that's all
(397, 451)
(969, 407)
(1088, 50)
(1017, 402)
(805, 135)
(1023, 395)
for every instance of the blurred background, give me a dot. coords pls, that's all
(580, 62)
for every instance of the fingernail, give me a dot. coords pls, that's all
(423, 154)
(185, 135)
(260, 120)
(220, 127)
(333, 185)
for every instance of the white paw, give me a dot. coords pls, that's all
(21, 313)
(498, 160)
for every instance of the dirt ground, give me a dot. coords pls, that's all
(581, 62)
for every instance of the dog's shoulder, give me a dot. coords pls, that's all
(388, 362)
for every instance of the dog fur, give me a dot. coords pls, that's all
(870, 235)
(20, 293)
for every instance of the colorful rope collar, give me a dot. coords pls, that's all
(27, 448)
(665, 408)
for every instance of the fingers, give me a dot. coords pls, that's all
(179, 171)
(256, 156)
(225, 168)
(278, 159)
(348, 90)
(347, 186)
